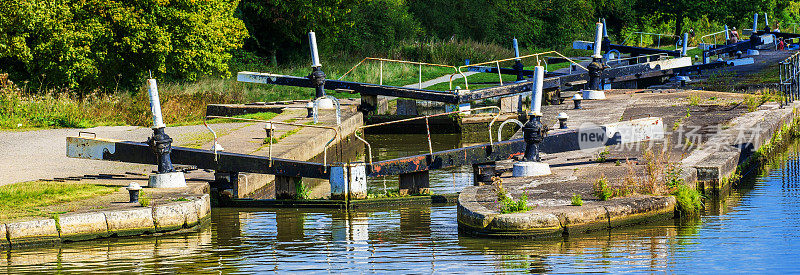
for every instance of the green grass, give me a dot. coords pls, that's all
(27, 198)
(258, 116)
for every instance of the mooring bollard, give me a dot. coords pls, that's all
(133, 191)
(682, 79)
(161, 144)
(270, 129)
(576, 99)
(562, 120)
(310, 109)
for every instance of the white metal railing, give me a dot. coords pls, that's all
(659, 35)
(497, 64)
(419, 65)
(270, 123)
(427, 127)
(619, 60)
(703, 38)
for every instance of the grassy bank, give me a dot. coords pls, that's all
(28, 198)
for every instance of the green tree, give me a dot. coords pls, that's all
(281, 25)
(445, 19)
(378, 26)
(92, 44)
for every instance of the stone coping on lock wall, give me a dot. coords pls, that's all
(182, 214)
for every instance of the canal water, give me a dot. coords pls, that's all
(754, 229)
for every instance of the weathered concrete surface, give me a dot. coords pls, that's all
(83, 226)
(693, 119)
(719, 157)
(38, 231)
(170, 217)
(555, 220)
(203, 206)
(130, 222)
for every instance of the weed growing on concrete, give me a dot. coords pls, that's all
(677, 124)
(687, 143)
(303, 192)
(576, 200)
(57, 218)
(694, 100)
(602, 156)
(689, 199)
(180, 199)
(497, 182)
(673, 176)
(688, 113)
(509, 205)
(387, 194)
(761, 97)
(144, 198)
(601, 189)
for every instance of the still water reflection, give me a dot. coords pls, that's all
(755, 229)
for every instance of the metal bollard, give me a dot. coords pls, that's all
(133, 191)
(310, 109)
(596, 67)
(270, 129)
(577, 100)
(562, 120)
(518, 67)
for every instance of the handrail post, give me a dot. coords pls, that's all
(499, 74)
(428, 129)
(420, 76)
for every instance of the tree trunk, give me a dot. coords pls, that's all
(273, 56)
(679, 25)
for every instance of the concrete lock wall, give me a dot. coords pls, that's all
(169, 217)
